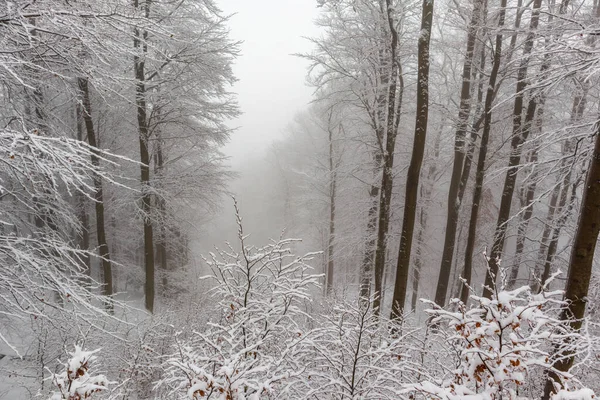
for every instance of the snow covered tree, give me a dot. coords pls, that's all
(252, 346)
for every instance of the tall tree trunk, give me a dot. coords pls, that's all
(568, 189)
(580, 266)
(521, 130)
(478, 119)
(426, 189)
(98, 193)
(527, 194)
(578, 108)
(82, 215)
(544, 243)
(366, 269)
(139, 42)
(480, 172)
(161, 243)
(396, 83)
(454, 200)
(332, 193)
(414, 169)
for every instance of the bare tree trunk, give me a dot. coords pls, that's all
(526, 196)
(82, 215)
(563, 213)
(475, 127)
(544, 243)
(332, 193)
(366, 270)
(454, 200)
(578, 108)
(387, 179)
(414, 169)
(480, 172)
(426, 189)
(139, 41)
(580, 266)
(521, 130)
(98, 193)
(161, 243)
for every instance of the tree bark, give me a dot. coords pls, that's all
(426, 189)
(139, 42)
(527, 193)
(98, 193)
(366, 270)
(454, 200)
(332, 194)
(82, 215)
(521, 130)
(578, 108)
(161, 243)
(414, 169)
(544, 243)
(480, 172)
(387, 180)
(580, 266)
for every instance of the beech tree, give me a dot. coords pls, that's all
(414, 170)
(580, 266)
(521, 130)
(454, 194)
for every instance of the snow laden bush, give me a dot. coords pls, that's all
(504, 346)
(355, 354)
(76, 382)
(253, 347)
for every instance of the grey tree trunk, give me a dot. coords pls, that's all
(139, 42)
(396, 84)
(454, 200)
(580, 265)
(332, 194)
(366, 269)
(521, 130)
(98, 192)
(480, 172)
(426, 190)
(544, 243)
(82, 215)
(526, 195)
(568, 188)
(414, 169)
(162, 240)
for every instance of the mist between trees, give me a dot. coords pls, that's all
(443, 184)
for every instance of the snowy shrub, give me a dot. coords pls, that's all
(504, 345)
(354, 354)
(252, 348)
(76, 382)
(139, 357)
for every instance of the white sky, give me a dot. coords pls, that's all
(271, 87)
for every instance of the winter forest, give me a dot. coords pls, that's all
(423, 225)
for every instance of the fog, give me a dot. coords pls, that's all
(271, 90)
(418, 183)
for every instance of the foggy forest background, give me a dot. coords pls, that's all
(424, 229)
